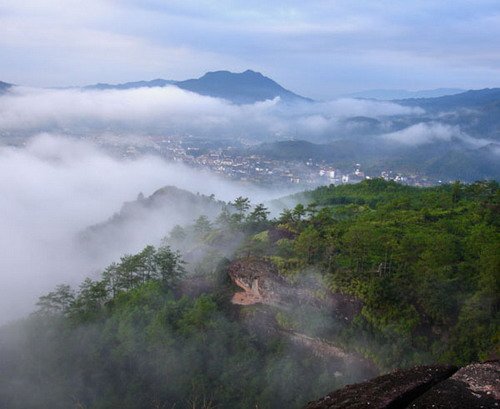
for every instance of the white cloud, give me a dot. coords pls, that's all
(428, 132)
(172, 110)
(423, 133)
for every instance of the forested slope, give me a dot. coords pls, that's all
(425, 263)
(154, 332)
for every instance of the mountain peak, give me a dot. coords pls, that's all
(4, 86)
(226, 72)
(228, 75)
(243, 87)
(251, 72)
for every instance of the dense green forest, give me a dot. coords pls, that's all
(156, 331)
(425, 263)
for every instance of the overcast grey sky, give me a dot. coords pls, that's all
(317, 48)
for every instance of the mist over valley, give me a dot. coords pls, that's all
(229, 205)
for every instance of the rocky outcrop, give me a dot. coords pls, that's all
(262, 286)
(261, 283)
(444, 387)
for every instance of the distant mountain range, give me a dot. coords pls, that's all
(389, 94)
(476, 112)
(241, 88)
(249, 87)
(467, 99)
(130, 85)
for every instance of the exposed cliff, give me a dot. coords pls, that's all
(261, 283)
(263, 286)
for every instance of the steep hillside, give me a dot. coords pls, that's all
(147, 220)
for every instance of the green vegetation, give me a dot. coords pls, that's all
(424, 263)
(133, 340)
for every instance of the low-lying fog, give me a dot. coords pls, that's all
(54, 188)
(171, 109)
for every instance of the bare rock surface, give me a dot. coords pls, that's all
(259, 280)
(440, 387)
(475, 386)
(393, 390)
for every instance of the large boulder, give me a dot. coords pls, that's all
(440, 387)
(474, 386)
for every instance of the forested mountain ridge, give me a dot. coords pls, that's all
(147, 218)
(421, 263)
(477, 112)
(440, 160)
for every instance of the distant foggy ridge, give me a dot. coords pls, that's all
(130, 85)
(467, 99)
(147, 219)
(391, 94)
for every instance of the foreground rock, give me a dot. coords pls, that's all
(445, 387)
(474, 386)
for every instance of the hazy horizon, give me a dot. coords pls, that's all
(318, 49)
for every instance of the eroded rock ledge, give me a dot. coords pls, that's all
(439, 387)
(262, 284)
